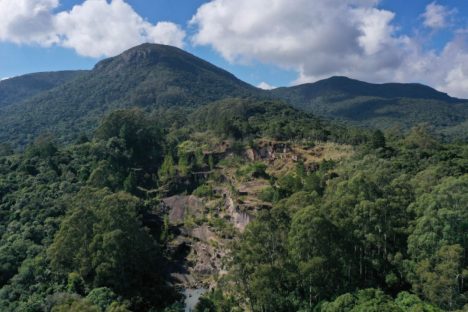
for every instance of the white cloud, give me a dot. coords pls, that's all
(94, 28)
(454, 61)
(322, 38)
(317, 38)
(167, 33)
(27, 21)
(436, 16)
(98, 28)
(265, 86)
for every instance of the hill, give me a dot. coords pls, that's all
(155, 77)
(345, 87)
(20, 88)
(265, 206)
(381, 106)
(148, 76)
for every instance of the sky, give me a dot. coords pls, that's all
(267, 43)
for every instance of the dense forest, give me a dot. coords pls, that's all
(20, 88)
(298, 214)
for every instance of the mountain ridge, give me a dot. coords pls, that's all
(153, 76)
(165, 76)
(387, 90)
(22, 87)
(383, 106)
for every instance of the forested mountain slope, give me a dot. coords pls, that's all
(267, 206)
(383, 106)
(148, 76)
(339, 86)
(157, 174)
(18, 89)
(152, 76)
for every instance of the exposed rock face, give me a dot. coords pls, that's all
(251, 154)
(202, 248)
(203, 233)
(268, 151)
(198, 249)
(179, 207)
(240, 219)
(207, 260)
(202, 259)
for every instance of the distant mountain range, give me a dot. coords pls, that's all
(153, 76)
(17, 89)
(383, 106)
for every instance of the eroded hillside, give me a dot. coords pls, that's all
(201, 226)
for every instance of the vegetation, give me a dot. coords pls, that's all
(18, 89)
(148, 76)
(388, 106)
(361, 235)
(385, 229)
(160, 78)
(295, 223)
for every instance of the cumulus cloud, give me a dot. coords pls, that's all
(27, 21)
(437, 16)
(322, 38)
(98, 28)
(317, 38)
(94, 28)
(265, 86)
(454, 61)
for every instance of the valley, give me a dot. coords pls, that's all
(159, 182)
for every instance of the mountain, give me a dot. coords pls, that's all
(153, 76)
(380, 105)
(338, 86)
(148, 76)
(239, 204)
(20, 88)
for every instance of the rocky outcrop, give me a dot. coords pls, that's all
(268, 151)
(239, 218)
(179, 207)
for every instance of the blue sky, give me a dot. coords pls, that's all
(268, 42)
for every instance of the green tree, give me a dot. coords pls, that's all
(76, 283)
(442, 282)
(131, 182)
(205, 305)
(378, 139)
(167, 170)
(76, 305)
(366, 300)
(44, 146)
(313, 243)
(412, 303)
(420, 137)
(102, 297)
(103, 238)
(260, 265)
(199, 158)
(184, 164)
(368, 202)
(140, 140)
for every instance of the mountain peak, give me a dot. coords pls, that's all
(144, 54)
(151, 57)
(338, 78)
(150, 51)
(149, 75)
